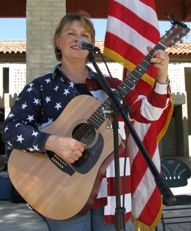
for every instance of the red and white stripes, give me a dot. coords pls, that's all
(133, 26)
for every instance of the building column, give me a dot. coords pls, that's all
(42, 19)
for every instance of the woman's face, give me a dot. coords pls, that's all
(69, 39)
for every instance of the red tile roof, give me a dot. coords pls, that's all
(12, 47)
(20, 47)
(179, 48)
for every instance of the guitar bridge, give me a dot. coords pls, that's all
(61, 164)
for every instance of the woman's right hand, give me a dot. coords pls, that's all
(67, 148)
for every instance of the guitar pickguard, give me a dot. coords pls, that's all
(90, 156)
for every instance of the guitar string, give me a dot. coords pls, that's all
(94, 121)
(98, 117)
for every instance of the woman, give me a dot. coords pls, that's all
(42, 101)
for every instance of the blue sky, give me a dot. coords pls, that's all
(15, 29)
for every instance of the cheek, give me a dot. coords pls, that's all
(60, 42)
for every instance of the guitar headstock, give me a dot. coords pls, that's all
(175, 34)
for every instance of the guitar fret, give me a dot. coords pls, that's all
(98, 117)
(130, 81)
(122, 90)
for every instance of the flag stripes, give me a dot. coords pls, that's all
(133, 26)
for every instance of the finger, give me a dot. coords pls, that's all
(77, 154)
(81, 146)
(156, 61)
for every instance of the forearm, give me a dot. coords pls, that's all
(148, 109)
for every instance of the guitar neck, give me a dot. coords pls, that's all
(127, 84)
(130, 81)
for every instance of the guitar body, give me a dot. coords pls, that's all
(49, 190)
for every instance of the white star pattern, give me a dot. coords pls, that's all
(31, 149)
(29, 89)
(47, 80)
(6, 129)
(71, 84)
(50, 120)
(58, 106)
(48, 99)
(11, 115)
(36, 101)
(56, 88)
(66, 92)
(9, 143)
(18, 98)
(18, 124)
(30, 118)
(52, 90)
(20, 138)
(35, 147)
(24, 105)
(34, 133)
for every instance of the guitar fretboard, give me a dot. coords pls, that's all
(98, 117)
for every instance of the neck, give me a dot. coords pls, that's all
(76, 73)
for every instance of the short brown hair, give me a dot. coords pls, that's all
(80, 16)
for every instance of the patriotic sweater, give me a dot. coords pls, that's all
(43, 100)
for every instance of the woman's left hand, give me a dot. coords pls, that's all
(160, 60)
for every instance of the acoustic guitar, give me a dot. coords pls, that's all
(57, 190)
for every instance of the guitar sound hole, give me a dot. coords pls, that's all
(85, 133)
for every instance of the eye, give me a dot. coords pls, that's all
(86, 36)
(71, 33)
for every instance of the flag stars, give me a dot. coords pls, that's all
(36, 101)
(56, 88)
(47, 99)
(30, 118)
(35, 148)
(18, 98)
(47, 80)
(24, 105)
(30, 149)
(71, 84)
(58, 106)
(11, 115)
(20, 138)
(34, 133)
(50, 120)
(6, 129)
(17, 124)
(9, 144)
(29, 89)
(66, 92)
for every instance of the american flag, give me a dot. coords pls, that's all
(132, 26)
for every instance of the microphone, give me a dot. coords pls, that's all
(84, 45)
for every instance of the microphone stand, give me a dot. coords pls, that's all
(118, 108)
